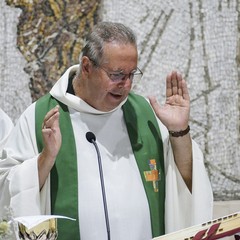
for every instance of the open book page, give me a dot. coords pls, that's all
(215, 229)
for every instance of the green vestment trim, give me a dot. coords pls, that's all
(146, 143)
(64, 178)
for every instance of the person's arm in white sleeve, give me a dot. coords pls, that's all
(23, 182)
(187, 185)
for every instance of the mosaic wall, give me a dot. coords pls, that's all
(50, 37)
(200, 39)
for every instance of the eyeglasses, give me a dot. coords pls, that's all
(135, 76)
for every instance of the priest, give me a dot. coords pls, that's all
(155, 181)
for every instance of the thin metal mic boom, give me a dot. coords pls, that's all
(92, 139)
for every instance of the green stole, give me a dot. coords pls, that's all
(146, 143)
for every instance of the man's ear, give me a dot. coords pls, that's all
(86, 65)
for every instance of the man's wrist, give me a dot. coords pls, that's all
(179, 133)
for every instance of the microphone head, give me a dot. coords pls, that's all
(90, 137)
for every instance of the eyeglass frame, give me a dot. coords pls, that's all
(128, 75)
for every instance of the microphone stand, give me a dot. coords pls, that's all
(92, 139)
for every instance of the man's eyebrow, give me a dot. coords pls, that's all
(122, 71)
(117, 71)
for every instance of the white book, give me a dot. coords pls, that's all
(228, 225)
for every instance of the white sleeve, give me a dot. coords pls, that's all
(19, 182)
(182, 208)
(5, 129)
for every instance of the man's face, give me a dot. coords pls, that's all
(99, 90)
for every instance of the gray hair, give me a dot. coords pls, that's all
(106, 32)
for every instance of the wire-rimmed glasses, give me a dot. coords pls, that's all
(135, 76)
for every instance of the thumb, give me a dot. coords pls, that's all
(154, 103)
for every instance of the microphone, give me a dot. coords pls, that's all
(92, 139)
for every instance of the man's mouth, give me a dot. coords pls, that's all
(116, 95)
